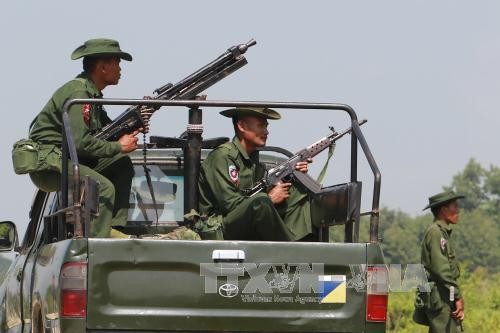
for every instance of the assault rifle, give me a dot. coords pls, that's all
(286, 169)
(187, 88)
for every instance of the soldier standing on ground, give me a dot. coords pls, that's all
(105, 162)
(281, 214)
(438, 257)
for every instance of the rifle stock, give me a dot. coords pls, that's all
(187, 88)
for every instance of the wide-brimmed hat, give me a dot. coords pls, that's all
(442, 198)
(259, 112)
(100, 46)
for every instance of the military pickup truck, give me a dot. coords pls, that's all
(64, 281)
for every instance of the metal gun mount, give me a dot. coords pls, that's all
(187, 88)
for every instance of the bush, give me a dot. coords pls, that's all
(482, 304)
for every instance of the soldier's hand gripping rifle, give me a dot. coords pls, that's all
(286, 169)
(187, 88)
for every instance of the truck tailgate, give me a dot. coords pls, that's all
(170, 285)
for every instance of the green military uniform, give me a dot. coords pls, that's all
(99, 159)
(227, 171)
(438, 258)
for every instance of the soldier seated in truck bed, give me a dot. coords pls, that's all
(282, 214)
(167, 177)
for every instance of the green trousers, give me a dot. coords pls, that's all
(441, 321)
(257, 218)
(114, 176)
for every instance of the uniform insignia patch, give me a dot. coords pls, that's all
(442, 242)
(86, 114)
(233, 174)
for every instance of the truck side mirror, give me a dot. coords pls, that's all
(8, 236)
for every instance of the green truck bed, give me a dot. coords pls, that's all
(63, 281)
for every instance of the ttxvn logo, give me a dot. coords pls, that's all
(228, 279)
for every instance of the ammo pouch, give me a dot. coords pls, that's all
(207, 227)
(426, 301)
(336, 204)
(30, 156)
(210, 228)
(431, 301)
(421, 302)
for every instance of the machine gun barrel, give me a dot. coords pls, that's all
(187, 88)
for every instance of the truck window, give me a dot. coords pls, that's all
(42, 205)
(167, 180)
(168, 187)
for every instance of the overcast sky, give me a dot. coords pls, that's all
(426, 75)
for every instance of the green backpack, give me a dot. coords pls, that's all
(30, 156)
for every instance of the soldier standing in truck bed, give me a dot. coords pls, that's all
(282, 214)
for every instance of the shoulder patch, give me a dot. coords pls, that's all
(86, 114)
(234, 174)
(442, 243)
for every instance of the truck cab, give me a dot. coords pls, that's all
(62, 280)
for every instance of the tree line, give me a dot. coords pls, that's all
(476, 237)
(477, 245)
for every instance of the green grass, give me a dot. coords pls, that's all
(482, 305)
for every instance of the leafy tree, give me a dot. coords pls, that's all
(477, 241)
(476, 238)
(400, 237)
(470, 183)
(492, 188)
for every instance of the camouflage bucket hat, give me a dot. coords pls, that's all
(259, 112)
(100, 46)
(442, 198)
